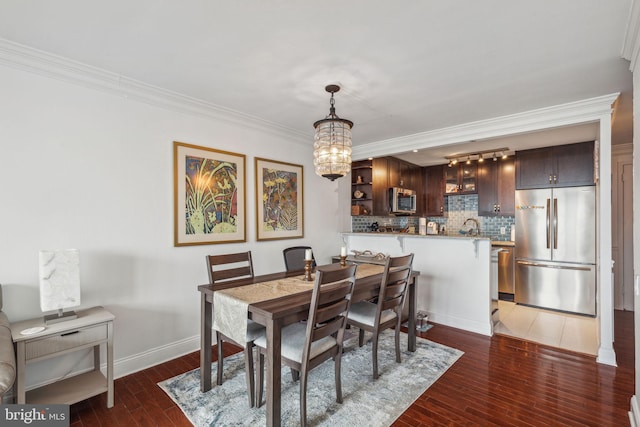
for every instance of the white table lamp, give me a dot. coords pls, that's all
(59, 283)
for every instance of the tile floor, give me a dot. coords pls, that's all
(568, 331)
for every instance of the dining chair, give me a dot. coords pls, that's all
(294, 258)
(377, 316)
(305, 346)
(224, 268)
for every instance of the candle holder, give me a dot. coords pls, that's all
(343, 260)
(307, 270)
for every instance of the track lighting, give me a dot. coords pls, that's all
(477, 155)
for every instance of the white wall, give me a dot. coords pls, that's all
(93, 170)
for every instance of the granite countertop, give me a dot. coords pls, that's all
(503, 243)
(432, 236)
(494, 241)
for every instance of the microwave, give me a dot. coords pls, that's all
(402, 201)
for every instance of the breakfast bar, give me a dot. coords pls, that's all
(455, 274)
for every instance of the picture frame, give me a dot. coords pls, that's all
(209, 195)
(279, 200)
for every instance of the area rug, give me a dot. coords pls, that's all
(365, 401)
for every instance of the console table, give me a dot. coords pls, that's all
(92, 328)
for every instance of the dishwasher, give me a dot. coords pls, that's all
(506, 265)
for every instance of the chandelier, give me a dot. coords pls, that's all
(332, 145)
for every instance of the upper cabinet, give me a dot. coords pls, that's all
(371, 180)
(461, 178)
(559, 166)
(380, 186)
(434, 190)
(496, 187)
(403, 174)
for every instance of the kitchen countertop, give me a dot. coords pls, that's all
(503, 243)
(393, 233)
(436, 236)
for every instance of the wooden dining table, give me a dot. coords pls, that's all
(276, 313)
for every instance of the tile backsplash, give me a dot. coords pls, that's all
(458, 209)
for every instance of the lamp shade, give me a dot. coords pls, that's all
(59, 279)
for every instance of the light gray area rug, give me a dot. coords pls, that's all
(365, 401)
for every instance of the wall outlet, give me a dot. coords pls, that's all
(503, 230)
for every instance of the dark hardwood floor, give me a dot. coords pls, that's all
(498, 381)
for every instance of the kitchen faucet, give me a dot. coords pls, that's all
(477, 228)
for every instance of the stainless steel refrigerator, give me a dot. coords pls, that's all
(556, 249)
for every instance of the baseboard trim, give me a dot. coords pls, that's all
(634, 413)
(606, 356)
(483, 328)
(155, 356)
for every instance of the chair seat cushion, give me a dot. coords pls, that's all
(365, 312)
(254, 330)
(293, 339)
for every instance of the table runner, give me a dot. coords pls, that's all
(230, 306)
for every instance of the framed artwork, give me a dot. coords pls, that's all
(279, 213)
(209, 195)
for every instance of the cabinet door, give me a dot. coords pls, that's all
(574, 164)
(506, 186)
(451, 182)
(534, 168)
(380, 186)
(394, 172)
(434, 190)
(487, 188)
(468, 177)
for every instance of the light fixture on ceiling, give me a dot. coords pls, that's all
(495, 159)
(480, 159)
(504, 156)
(332, 144)
(468, 160)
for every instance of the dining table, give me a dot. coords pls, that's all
(275, 313)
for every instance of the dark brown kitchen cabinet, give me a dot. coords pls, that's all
(569, 165)
(434, 190)
(403, 174)
(461, 178)
(369, 185)
(362, 188)
(496, 187)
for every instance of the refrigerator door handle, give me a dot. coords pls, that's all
(548, 222)
(555, 223)
(561, 267)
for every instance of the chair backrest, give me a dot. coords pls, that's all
(395, 280)
(294, 258)
(227, 267)
(330, 302)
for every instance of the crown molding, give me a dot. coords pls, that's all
(631, 44)
(46, 64)
(585, 111)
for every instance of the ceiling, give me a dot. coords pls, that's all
(404, 67)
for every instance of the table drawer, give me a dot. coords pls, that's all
(68, 340)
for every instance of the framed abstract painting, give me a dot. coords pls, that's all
(209, 195)
(279, 213)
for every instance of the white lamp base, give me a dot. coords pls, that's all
(59, 317)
